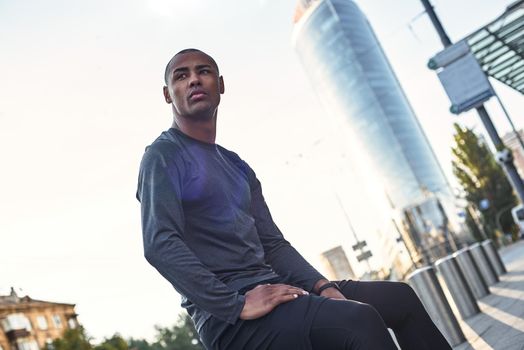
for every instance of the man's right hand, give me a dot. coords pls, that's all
(262, 299)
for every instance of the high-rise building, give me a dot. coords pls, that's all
(29, 324)
(355, 83)
(337, 265)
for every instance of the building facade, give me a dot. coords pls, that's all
(511, 141)
(337, 264)
(29, 324)
(356, 84)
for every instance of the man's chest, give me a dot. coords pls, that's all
(215, 185)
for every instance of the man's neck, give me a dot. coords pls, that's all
(204, 131)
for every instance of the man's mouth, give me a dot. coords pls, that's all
(197, 94)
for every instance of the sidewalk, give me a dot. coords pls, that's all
(500, 325)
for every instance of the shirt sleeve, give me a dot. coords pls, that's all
(279, 253)
(160, 193)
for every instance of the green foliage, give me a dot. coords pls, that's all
(142, 344)
(73, 339)
(116, 342)
(181, 336)
(482, 178)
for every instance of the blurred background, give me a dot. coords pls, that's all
(365, 169)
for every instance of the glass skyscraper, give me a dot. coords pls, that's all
(355, 82)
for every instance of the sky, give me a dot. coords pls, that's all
(80, 98)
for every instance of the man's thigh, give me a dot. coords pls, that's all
(335, 323)
(286, 327)
(391, 299)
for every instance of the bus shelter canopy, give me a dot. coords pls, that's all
(499, 47)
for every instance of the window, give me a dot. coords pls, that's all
(71, 323)
(16, 321)
(57, 321)
(41, 322)
(24, 344)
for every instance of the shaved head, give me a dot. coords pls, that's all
(170, 63)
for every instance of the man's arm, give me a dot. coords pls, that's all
(159, 191)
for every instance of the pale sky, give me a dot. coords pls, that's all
(80, 98)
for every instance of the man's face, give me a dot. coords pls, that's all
(193, 86)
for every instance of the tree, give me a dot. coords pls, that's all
(182, 336)
(116, 342)
(73, 339)
(77, 339)
(482, 179)
(142, 344)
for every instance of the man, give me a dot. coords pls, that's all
(208, 231)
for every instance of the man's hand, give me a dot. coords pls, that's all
(331, 293)
(262, 299)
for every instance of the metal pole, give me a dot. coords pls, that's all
(509, 167)
(444, 38)
(517, 135)
(490, 128)
(473, 212)
(425, 283)
(458, 287)
(352, 229)
(499, 214)
(471, 273)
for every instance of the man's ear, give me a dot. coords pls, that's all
(221, 84)
(166, 95)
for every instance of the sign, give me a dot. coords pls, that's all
(359, 245)
(466, 85)
(449, 55)
(364, 256)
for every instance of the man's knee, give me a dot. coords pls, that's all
(355, 316)
(367, 316)
(366, 326)
(405, 294)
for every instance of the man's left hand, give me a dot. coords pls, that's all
(332, 293)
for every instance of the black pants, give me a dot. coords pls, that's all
(313, 322)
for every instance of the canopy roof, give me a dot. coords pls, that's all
(499, 47)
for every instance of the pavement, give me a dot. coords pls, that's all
(500, 325)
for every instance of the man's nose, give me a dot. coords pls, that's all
(194, 79)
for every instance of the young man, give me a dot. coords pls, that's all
(208, 231)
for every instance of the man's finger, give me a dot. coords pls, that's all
(287, 288)
(300, 291)
(284, 298)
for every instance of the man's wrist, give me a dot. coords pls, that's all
(327, 286)
(319, 284)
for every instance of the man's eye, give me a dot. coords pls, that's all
(180, 76)
(205, 71)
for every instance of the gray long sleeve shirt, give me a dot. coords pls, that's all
(207, 228)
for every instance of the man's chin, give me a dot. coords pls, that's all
(200, 114)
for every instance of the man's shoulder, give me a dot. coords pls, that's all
(239, 162)
(165, 142)
(230, 154)
(164, 147)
